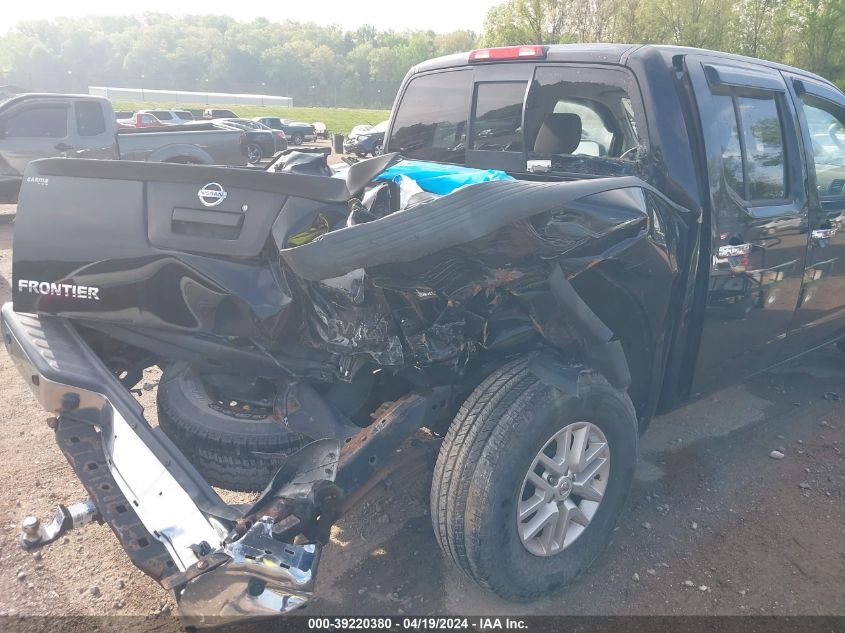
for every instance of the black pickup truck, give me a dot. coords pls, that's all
(572, 240)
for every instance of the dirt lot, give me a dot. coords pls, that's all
(714, 525)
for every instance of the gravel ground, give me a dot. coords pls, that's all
(713, 525)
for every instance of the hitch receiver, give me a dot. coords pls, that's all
(65, 518)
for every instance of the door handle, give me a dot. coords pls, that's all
(64, 147)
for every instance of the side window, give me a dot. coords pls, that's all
(753, 155)
(38, 121)
(764, 152)
(430, 122)
(497, 116)
(89, 118)
(826, 125)
(731, 146)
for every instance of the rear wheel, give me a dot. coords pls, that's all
(298, 139)
(220, 435)
(378, 150)
(530, 480)
(254, 153)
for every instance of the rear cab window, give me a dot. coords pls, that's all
(539, 117)
(431, 121)
(584, 120)
(497, 116)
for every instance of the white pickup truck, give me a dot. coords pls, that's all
(36, 126)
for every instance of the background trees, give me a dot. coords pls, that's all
(804, 33)
(329, 66)
(314, 64)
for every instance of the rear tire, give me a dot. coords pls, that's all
(485, 459)
(298, 139)
(254, 153)
(218, 439)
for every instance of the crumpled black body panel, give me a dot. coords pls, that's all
(619, 249)
(468, 214)
(464, 279)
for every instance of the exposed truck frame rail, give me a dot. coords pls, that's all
(221, 561)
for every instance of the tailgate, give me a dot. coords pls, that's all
(148, 244)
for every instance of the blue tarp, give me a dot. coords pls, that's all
(440, 179)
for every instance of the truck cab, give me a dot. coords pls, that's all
(754, 149)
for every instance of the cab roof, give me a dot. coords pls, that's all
(611, 54)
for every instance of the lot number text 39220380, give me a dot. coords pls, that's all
(418, 623)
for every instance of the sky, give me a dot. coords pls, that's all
(438, 15)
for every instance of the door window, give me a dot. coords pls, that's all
(753, 156)
(89, 118)
(732, 166)
(826, 126)
(38, 121)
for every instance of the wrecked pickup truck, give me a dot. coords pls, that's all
(559, 243)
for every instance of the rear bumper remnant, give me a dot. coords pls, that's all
(171, 523)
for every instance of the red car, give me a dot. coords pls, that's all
(142, 119)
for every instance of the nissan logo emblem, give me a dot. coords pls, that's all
(212, 194)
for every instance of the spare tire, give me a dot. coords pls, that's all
(220, 436)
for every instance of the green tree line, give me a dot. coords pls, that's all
(316, 65)
(325, 65)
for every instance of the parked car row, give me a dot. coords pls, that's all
(262, 141)
(297, 131)
(363, 140)
(266, 135)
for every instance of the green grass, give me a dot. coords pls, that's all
(340, 120)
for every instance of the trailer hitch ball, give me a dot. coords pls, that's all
(30, 531)
(32, 534)
(65, 518)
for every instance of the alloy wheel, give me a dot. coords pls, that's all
(563, 488)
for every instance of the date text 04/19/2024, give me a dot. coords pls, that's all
(419, 623)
